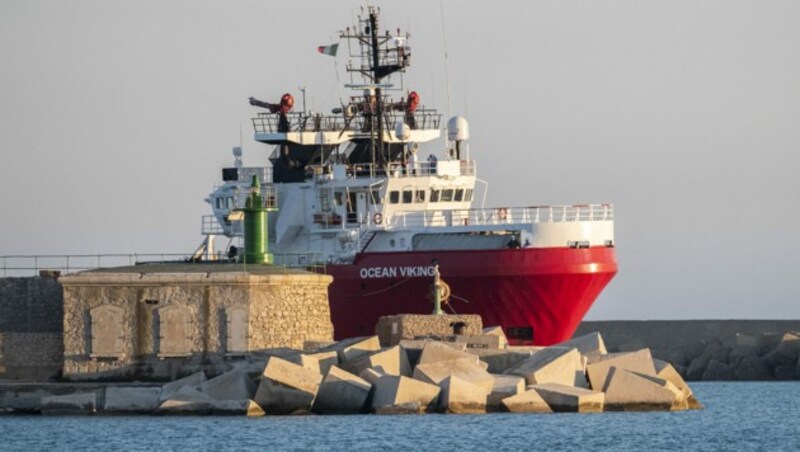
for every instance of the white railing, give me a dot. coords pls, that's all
(503, 216)
(397, 169)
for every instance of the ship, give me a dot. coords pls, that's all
(353, 194)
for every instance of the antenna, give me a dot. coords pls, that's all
(446, 63)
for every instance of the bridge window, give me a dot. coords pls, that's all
(408, 196)
(447, 195)
(468, 195)
(420, 196)
(376, 197)
(459, 194)
(435, 194)
(394, 197)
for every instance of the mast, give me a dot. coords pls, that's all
(376, 78)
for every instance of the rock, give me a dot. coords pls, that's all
(186, 400)
(751, 368)
(392, 361)
(598, 368)
(563, 398)
(236, 408)
(234, 385)
(341, 393)
(459, 396)
(436, 352)
(590, 344)
(127, 400)
(497, 331)
(466, 369)
(286, 387)
(526, 402)
(718, 371)
(403, 395)
(174, 386)
(627, 391)
(413, 348)
(552, 365)
(71, 404)
(498, 361)
(784, 373)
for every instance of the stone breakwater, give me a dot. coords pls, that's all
(712, 350)
(415, 376)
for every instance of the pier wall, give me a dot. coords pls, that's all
(31, 325)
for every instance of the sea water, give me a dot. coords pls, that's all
(737, 416)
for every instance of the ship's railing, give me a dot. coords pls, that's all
(504, 216)
(30, 265)
(398, 169)
(302, 122)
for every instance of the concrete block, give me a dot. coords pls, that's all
(186, 400)
(497, 331)
(718, 371)
(466, 369)
(751, 368)
(598, 368)
(71, 404)
(413, 348)
(236, 408)
(170, 388)
(627, 391)
(499, 361)
(552, 365)
(131, 400)
(395, 395)
(740, 352)
(590, 344)
(307, 361)
(435, 352)
(767, 342)
(563, 398)
(459, 396)
(341, 393)
(286, 387)
(784, 373)
(504, 386)
(526, 402)
(371, 376)
(354, 348)
(325, 360)
(788, 348)
(666, 371)
(392, 361)
(234, 385)
(477, 341)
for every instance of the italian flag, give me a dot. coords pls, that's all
(328, 50)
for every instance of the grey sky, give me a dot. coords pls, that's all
(115, 118)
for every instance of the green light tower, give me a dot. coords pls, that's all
(256, 250)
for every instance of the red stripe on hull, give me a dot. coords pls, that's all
(548, 289)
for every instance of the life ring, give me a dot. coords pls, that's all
(377, 218)
(502, 213)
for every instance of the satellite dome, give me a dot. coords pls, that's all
(457, 129)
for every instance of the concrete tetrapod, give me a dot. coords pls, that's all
(627, 391)
(78, 403)
(526, 402)
(341, 393)
(563, 398)
(233, 385)
(403, 395)
(599, 366)
(459, 396)
(131, 400)
(392, 361)
(466, 369)
(552, 365)
(286, 387)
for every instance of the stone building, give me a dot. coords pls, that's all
(162, 320)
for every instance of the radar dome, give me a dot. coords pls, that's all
(402, 131)
(237, 151)
(457, 129)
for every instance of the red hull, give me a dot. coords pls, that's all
(546, 289)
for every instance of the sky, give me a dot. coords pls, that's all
(116, 117)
